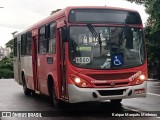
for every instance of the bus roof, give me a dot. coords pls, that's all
(100, 7)
(65, 11)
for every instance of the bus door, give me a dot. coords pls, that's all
(34, 61)
(19, 62)
(63, 63)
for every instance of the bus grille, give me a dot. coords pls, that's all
(111, 92)
(111, 76)
(109, 84)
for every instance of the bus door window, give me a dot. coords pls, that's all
(29, 43)
(63, 61)
(52, 38)
(42, 40)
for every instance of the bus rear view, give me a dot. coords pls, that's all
(107, 58)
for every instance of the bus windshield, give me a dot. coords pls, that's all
(121, 47)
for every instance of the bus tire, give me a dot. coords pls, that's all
(56, 102)
(34, 94)
(116, 101)
(25, 89)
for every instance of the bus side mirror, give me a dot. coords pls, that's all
(64, 33)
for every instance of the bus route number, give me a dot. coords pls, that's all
(82, 59)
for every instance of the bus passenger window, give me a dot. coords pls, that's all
(15, 47)
(29, 43)
(23, 44)
(52, 38)
(42, 41)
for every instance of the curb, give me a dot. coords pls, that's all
(150, 79)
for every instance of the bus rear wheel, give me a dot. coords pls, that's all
(25, 89)
(116, 101)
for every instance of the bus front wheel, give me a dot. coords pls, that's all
(56, 102)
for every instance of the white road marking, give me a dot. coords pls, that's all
(153, 82)
(132, 109)
(135, 110)
(153, 94)
(154, 86)
(138, 111)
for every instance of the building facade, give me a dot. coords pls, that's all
(4, 52)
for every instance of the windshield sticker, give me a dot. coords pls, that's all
(82, 59)
(83, 48)
(106, 64)
(117, 60)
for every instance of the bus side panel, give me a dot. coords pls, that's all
(15, 69)
(46, 65)
(18, 60)
(26, 64)
(42, 73)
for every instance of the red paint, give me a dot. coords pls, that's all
(41, 69)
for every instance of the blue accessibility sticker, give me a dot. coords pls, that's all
(117, 60)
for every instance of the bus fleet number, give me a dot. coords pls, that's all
(82, 59)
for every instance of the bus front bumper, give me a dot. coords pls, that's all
(77, 94)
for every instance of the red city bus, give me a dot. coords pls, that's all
(83, 54)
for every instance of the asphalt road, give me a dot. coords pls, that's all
(13, 99)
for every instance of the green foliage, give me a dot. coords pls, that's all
(152, 31)
(6, 64)
(137, 1)
(6, 68)
(6, 73)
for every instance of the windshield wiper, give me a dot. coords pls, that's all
(124, 31)
(96, 35)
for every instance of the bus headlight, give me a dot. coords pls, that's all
(139, 80)
(142, 77)
(79, 81)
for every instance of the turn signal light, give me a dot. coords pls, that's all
(139, 91)
(79, 81)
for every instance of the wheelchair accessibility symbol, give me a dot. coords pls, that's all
(117, 60)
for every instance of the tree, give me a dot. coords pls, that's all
(9, 44)
(6, 68)
(54, 11)
(152, 30)
(6, 64)
(137, 1)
